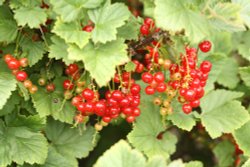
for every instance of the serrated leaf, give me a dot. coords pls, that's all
(107, 19)
(157, 161)
(222, 42)
(23, 91)
(10, 104)
(21, 145)
(71, 33)
(218, 98)
(100, 61)
(33, 50)
(58, 50)
(179, 163)
(7, 85)
(53, 104)
(130, 30)
(245, 75)
(167, 12)
(68, 141)
(33, 122)
(226, 17)
(225, 118)
(121, 155)
(241, 136)
(70, 10)
(130, 66)
(25, 16)
(181, 120)
(245, 8)
(8, 26)
(146, 129)
(56, 159)
(224, 153)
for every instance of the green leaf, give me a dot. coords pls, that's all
(25, 15)
(100, 61)
(226, 17)
(241, 136)
(70, 10)
(194, 164)
(121, 155)
(146, 129)
(225, 118)
(130, 66)
(247, 163)
(222, 42)
(33, 122)
(130, 30)
(68, 141)
(224, 153)
(179, 163)
(21, 145)
(10, 104)
(107, 19)
(33, 50)
(53, 104)
(218, 98)
(7, 85)
(71, 33)
(181, 120)
(245, 8)
(245, 75)
(23, 91)
(58, 50)
(8, 26)
(167, 12)
(1, 2)
(56, 159)
(156, 161)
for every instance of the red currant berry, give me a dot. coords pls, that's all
(136, 112)
(50, 87)
(139, 68)
(190, 94)
(124, 102)
(21, 76)
(159, 77)
(130, 119)
(205, 46)
(13, 64)
(100, 108)
(68, 85)
(186, 108)
(88, 28)
(144, 29)
(112, 102)
(147, 77)
(117, 78)
(27, 84)
(148, 21)
(24, 62)
(81, 107)
(76, 100)
(72, 69)
(125, 76)
(161, 87)
(117, 95)
(127, 110)
(195, 103)
(135, 89)
(8, 57)
(106, 119)
(89, 107)
(205, 66)
(149, 90)
(135, 103)
(88, 94)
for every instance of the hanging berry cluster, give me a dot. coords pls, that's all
(17, 69)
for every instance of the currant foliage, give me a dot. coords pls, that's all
(69, 68)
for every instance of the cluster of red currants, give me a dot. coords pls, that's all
(16, 66)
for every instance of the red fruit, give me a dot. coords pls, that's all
(114, 110)
(144, 29)
(186, 108)
(205, 46)
(81, 107)
(161, 87)
(112, 102)
(204, 77)
(88, 94)
(124, 102)
(190, 95)
(130, 119)
(199, 92)
(149, 90)
(8, 57)
(182, 92)
(125, 76)
(147, 77)
(117, 95)
(205, 66)
(76, 100)
(13, 64)
(106, 119)
(135, 89)
(27, 84)
(72, 69)
(21, 76)
(68, 85)
(148, 21)
(108, 94)
(100, 108)
(24, 62)
(127, 110)
(88, 28)
(195, 103)
(195, 83)
(166, 64)
(159, 77)
(136, 112)
(50, 87)
(139, 68)
(89, 107)
(117, 78)
(135, 103)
